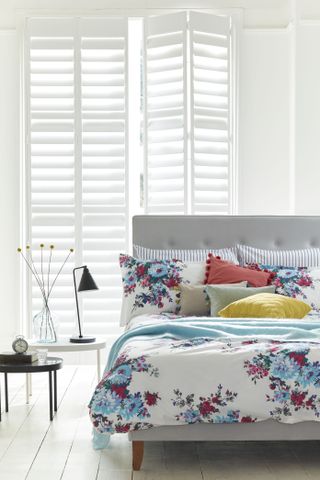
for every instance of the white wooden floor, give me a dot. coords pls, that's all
(33, 448)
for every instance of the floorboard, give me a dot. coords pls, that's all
(32, 448)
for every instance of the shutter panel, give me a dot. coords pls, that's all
(165, 114)
(210, 113)
(51, 158)
(77, 70)
(104, 117)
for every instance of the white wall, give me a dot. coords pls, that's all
(307, 145)
(264, 122)
(9, 184)
(277, 164)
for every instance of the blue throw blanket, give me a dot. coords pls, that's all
(193, 327)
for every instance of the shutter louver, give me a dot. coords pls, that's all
(210, 112)
(165, 113)
(77, 159)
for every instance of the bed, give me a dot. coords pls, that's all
(162, 232)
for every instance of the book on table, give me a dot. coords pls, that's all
(18, 358)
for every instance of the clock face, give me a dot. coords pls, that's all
(20, 345)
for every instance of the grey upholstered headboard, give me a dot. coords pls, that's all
(203, 231)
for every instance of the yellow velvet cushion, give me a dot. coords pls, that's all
(266, 305)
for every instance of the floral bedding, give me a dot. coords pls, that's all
(170, 370)
(297, 282)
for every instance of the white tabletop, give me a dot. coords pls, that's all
(64, 345)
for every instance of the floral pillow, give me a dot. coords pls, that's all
(151, 286)
(302, 283)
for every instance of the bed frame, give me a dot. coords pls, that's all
(195, 231)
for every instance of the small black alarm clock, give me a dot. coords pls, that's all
(20, 344)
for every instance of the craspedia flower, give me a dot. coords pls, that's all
(41, 245)
(71, 250)
(51, 247)
(19, 249)
(28, 247)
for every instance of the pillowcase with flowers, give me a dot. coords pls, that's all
(151, 286)
(302, 283)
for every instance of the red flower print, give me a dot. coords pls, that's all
(145, 282)
(304, 282)
(247, 420)
(297, 398)
(122, 428)
(206, 408)
(215, 399)
(310, 402)
(257, 370)
(141, 269)
(119, 390)
(151, 398)
(299, 358)
(171, 282)
(276, 282)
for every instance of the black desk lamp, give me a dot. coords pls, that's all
(86, 283)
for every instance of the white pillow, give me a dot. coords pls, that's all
(304, 257)
(198, 255)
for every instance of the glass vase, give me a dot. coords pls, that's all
(45, 326)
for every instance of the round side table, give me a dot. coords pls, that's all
(64, 345)
(51, 365)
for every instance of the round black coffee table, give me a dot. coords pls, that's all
(51, 365)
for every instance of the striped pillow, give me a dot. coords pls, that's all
(304, 257)
(199, 255)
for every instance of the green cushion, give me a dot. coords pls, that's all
(220, 296)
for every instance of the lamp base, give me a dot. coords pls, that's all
(78, 339)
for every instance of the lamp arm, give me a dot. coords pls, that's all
(76, 296)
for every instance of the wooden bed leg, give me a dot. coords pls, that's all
(137, 454)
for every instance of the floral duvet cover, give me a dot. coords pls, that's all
(176, 371)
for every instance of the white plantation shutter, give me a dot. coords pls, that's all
(210, 113)
(165, 114)
(104, 202)
(76, 85)
(187, 113)
(76, 158)
(51, 153)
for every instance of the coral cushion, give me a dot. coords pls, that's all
(219, 271)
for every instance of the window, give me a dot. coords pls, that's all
(109, 118)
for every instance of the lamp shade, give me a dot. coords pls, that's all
(87, 282)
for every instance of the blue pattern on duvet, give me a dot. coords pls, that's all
(182, 371)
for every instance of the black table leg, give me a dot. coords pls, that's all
(55, 391)
(50, 396)
(6, 391)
